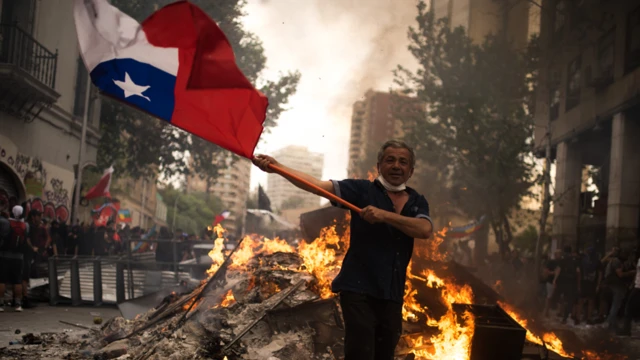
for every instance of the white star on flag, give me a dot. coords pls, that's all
(130, 88)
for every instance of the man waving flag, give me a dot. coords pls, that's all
(177, 65)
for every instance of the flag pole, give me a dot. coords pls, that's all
(320, 191)
(81, 151)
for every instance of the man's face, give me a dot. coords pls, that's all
(395, 165)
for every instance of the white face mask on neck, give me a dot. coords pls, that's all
(389, 187)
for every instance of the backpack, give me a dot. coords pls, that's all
(18, 234)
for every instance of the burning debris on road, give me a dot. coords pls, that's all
(269, 300)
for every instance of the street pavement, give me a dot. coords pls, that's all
(45, 318)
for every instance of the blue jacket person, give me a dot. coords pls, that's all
(371, 280)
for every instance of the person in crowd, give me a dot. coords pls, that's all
(567, 282)
(13, 233)
(549, 273)
(34, 248)
(74, 237)
(591, 272)
(100, 246)
(372, 277)
(633, 302)
(57, 241)
(616, 279)
(164, 250)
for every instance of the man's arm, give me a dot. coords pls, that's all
(418, 227)
(263, 161)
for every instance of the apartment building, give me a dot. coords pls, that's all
(589, 98)
(280, 190)
(232, 188)
(42, 97)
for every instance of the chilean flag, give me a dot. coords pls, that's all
(177, 65)
(102, 187)
(219, 218)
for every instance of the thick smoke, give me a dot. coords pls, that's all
(342, 48)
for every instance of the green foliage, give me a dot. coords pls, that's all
(194, 211)
(477, 128)
(139, 145)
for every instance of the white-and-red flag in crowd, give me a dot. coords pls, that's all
(219, 218)
(102, 187)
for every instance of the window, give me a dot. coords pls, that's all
(554, 95)
(606, 47)
(573, 83)
(633, 40)
(19, 12)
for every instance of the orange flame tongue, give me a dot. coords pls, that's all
(549, 339)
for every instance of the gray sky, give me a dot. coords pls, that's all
(342, 48)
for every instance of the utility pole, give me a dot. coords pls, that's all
(83, 138)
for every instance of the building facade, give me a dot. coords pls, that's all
(589, 100)
(372, 123)
(42, 98)
(480, 18)
(280, 190)
(143, 201)
(232, 187)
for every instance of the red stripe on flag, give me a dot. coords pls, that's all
(213, 98)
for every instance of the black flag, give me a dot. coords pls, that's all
(263, 200)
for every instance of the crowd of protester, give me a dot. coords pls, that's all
(593, 289)
(27, 241)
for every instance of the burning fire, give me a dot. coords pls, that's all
(549, 339)
(322, 258)
(216, 254)
(319, 257)
(227, 299)
(455, 332)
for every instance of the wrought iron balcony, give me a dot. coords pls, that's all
(20, 49)
(27, 73)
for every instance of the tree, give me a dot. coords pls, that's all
(477, 126)
(139, 145)
(194, 212)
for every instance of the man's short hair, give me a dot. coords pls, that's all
(397, 144)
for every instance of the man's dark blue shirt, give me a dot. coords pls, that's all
(378, 255)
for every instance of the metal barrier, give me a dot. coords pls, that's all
(124, 286)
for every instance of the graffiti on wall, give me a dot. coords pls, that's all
(49, 210)
(48, 187)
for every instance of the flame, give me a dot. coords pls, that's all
(372, 174)
(319, 259)
(253, 245)
(549, 339)
(454, 338)
(216, 254)
(227, 299)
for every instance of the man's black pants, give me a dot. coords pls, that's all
(372, 326)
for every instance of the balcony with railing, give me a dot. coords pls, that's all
(27, 73)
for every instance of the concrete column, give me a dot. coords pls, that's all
(623, 206)
(567, 195)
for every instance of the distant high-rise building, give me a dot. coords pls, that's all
(280, 190)
(372, 123)
(232, 187)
